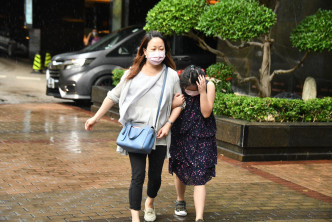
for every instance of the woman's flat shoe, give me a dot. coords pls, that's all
(149, 215)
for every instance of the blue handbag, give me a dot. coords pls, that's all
(137, 137)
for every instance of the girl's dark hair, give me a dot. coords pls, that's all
(190, 76)
(140, 59)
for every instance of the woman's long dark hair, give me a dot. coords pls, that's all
(140, 59)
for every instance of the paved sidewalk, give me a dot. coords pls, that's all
(51, 169)
(19, 85)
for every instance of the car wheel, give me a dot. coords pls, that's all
(105, 81)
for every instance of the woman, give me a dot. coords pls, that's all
(92, 37)
(138, 95)
(193, 148)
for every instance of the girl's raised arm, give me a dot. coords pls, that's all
(207, 96)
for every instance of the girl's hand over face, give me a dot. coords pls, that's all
(201, 84)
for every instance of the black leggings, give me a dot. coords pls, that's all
(138, 163)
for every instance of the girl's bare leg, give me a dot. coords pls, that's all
(180, 189)
(199, 199)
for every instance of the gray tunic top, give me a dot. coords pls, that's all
(140, 105)
(145, 108)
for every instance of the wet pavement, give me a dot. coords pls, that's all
(51, 169)
(19, 84)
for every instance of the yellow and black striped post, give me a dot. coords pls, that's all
(37, 66)
(47, 59)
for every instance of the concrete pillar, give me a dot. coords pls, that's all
(117, 15)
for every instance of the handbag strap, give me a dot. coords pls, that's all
(161, 97)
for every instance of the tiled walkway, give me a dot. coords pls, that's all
(51, 169)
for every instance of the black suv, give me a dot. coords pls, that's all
(72, 75)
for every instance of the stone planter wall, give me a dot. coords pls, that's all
(97, 96)
(253, 141)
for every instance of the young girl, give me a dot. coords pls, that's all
(193, 145)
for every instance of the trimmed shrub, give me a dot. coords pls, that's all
(117, 74)
(256, 109)
(221, 75)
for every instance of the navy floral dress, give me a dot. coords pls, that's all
(193, 147)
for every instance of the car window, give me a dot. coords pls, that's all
(110, 40)
(129, 47)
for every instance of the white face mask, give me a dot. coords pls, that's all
(192, 93)
(155, 58)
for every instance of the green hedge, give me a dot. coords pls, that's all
(117, 74)
(256, 109)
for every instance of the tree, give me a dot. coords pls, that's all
(240, 24)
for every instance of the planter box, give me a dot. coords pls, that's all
(253, 141)
(98, 95)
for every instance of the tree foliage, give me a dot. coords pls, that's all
(314, 33)
(174, 16)
(236, 20)
(228, 19)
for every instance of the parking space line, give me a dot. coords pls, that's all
(27, 78)
(3, 76)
